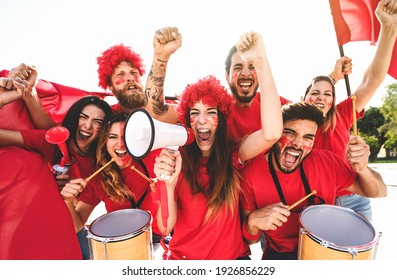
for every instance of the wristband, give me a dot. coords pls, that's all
(332, 79)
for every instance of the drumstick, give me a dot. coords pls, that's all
(354, 116)
(151, 181)
(302, 199)
(99, 170)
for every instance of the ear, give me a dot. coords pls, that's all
(227, 77)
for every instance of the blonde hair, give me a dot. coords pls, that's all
(112, 182)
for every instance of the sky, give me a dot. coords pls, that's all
(64, 38)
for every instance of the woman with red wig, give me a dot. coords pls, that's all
(203, 193)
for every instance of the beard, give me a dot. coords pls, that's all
(132, 100)
(277, 156)
(242, 98)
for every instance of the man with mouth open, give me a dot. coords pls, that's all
(121, 69)
(290, 170)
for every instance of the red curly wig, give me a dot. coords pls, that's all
(111, 57)
(210, 91)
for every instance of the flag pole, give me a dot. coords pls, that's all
(342, 54)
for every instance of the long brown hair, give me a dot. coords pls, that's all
(224, 186)
(112, 182)
(332, 115)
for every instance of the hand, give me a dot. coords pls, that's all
(269, 217)
(24, 72)
(73, 189)
(166, 41)
(250, 47)
(62, 180)
(21, 86)
(6, 84)
(386, 12)
(168, 164)
(357, 153)
(389, 6)
(343, 66)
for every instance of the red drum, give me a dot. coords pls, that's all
(330, 232)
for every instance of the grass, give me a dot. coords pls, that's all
(385, 160)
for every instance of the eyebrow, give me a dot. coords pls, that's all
(291, 130)
(208, 109)
(97, 119)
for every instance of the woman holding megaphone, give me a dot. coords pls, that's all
(203, 186)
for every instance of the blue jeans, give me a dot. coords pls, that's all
(83, 240)
(357, 203)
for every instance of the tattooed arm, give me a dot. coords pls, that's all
(166, 41)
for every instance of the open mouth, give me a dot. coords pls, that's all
(203, 134)
(319, 105)
(291, 157)
(83, 135)
(120, 153)
(245, 85)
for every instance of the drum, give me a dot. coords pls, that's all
(330, 232)
(121, 235)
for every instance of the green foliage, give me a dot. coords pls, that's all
(374, 146)
(369, 128)
(389, 111)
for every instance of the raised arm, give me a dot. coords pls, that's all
(166, 41)
(251, 48)
(37, 113)
(343, 66)
(377, 69)
(8, 93)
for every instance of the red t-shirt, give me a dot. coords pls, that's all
(336, 141)
(326, 173)
(35, 223)
(35, 140)
(215, 240)
(94, 193)
(247, 120)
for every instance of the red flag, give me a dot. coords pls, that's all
(356, 21)
(56, 100)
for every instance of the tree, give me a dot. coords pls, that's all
(369, 128)
(389, 111)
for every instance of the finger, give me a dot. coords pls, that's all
(9, 83)
(160, 36)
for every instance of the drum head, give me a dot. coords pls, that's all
(337, 225)
(120, 223)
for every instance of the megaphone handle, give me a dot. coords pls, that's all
(164, 203)
(163, 193)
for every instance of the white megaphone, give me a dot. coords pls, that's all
(143, 134)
